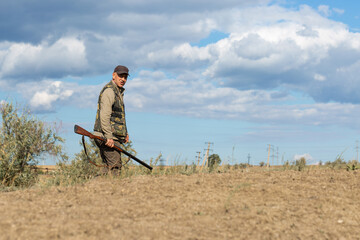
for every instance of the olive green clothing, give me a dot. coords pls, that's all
(110, 156)
(110, 123)
(110, 117)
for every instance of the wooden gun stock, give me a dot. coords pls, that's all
(81, 131)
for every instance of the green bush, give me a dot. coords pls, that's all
(353, 165)
(213, 162)
(214, 159)
(23, 139)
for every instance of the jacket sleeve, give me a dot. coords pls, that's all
(106, 102)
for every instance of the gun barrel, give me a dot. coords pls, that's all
(133, 157)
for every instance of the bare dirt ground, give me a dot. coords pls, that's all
(316, 204)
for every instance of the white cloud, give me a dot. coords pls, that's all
(307, 157)
(324, 9)
(49, 95)
(44, 99)
(268, 48)
(64, 57)
(153, 91)
(273, 53)
(186, 95)
(339, 11)
(319, 77)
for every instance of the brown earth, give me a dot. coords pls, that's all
(316, 204)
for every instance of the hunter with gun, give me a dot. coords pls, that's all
(110, 119)
(110, 125)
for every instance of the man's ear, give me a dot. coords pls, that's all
(113, 75)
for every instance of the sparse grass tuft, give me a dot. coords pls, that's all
(300, 164)
(78, 171)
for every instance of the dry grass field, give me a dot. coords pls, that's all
(239, 204)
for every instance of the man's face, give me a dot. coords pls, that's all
(120, 79)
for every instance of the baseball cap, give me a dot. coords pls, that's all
(121, 70)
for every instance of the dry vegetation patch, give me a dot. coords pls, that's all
(239, 204)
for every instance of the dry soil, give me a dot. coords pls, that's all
(241, 204)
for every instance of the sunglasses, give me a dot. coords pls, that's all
(122, 75)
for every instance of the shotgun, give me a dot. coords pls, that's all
(81, 131)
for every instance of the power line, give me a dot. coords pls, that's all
(267, 165)
(206, 157)
(232, 155)
(197, 158)
(357, 150)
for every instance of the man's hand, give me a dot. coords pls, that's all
(109, 143)
(127, 138)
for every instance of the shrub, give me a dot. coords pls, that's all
(338, 163)
(300, 164)
(286, 165)
(93, 153)
(213, 161)
(23, 139)
(244, 165)
(78, 171)
(353, 165)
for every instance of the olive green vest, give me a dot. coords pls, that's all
(117, 118)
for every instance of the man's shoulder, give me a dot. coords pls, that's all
(108, 92)
(108, 85)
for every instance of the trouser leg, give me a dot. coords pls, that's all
(110, 156)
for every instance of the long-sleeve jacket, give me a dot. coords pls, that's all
(110, 117)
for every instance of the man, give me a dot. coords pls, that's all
(110, 118)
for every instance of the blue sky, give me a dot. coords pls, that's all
(239, 74)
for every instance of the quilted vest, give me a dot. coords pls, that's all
(117, 118)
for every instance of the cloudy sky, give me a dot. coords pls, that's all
(240, 74)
